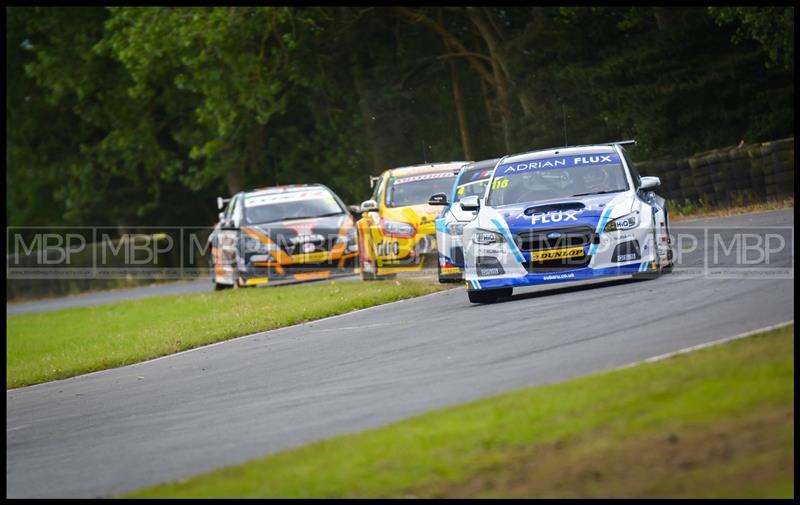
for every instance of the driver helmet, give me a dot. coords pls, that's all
(595, 179)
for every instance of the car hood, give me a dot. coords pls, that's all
(418, 215)
(564, 212)
(323, 231)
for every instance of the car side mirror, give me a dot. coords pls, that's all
(438, 199)
(470, 203)
(369, 205)
(227, 224)
(650, 183)
(221, 216)
(355, 211)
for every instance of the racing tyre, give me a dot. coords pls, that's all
(489, 295)
(654, 274)
(366, 276)
(217, 285)
(220, 287)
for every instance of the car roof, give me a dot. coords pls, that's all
(560, 151)
(427, 168)
(483, 164)
(288, 188)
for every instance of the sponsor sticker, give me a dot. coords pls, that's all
(257, 199)
(424, 177)
(558, 162)
(388, 248)
(555, 216)
(313, 257)
(555, 254)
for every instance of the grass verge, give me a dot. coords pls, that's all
(46, 346)
(718, 422)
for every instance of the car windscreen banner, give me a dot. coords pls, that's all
(558, 162)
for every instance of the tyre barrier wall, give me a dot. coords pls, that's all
(730, 175)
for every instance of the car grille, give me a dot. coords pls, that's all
(324, 244)
(538, 240)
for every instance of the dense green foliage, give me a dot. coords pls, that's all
(134, 116)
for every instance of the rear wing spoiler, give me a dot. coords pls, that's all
(373, 179)
(623, 142)
(222, 201)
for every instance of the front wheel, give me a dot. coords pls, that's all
(367, 276)
(446, 280)
(488, 295)
(442, 278)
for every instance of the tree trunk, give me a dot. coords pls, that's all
(490, 120)
(463, 127)
(499, 70)
(500, 57)
(665, 18)
(359, 82)
(234, 178)
(505, 109)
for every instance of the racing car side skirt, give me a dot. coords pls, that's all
(561, 276)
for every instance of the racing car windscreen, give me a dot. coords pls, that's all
(260, 209)
(556, 178)
(417, 189)
(473, 182)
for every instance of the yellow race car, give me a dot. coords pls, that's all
(397, 230)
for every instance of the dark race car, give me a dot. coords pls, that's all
(282, 234)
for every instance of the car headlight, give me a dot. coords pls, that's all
(455, 228)
(398, 228)
(626, 222)
(486, 237)
(253, 245)
(262, 257)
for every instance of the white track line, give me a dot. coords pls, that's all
(707, 344)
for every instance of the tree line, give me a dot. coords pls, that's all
(138, 116)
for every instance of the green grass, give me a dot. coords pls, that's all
(53, 345)
(715, 422)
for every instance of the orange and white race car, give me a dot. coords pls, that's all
(397, 230)
(282, 234)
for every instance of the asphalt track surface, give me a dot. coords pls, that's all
(117, 430)
(108, 296)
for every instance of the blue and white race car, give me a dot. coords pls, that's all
(566, 214)
(471, 180)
